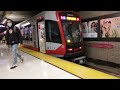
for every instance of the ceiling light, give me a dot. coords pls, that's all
(4, 21)
(25, 24)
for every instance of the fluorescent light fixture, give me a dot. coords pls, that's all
(2, 26)
(17, 25)
(4, 21)
(25, 24)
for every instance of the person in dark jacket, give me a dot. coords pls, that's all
(14, 38)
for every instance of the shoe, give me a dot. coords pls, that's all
(13, 66)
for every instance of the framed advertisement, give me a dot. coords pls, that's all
(110, 27)
(90, 29)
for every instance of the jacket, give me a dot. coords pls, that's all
(15, 37)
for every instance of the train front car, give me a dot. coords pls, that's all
(69, 24)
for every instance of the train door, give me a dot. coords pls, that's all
(42, 38)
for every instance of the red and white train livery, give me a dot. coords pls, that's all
(56, 33)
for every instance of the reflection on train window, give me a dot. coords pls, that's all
(72, 31)
(52, 32)
(27, 32)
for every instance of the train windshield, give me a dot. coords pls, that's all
(72, 31)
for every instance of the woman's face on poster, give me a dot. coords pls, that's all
(93, 25)
(107, 23)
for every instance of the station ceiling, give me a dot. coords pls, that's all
(17, 16)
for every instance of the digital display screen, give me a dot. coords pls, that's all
(70, 18)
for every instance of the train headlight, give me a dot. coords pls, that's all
(68, 41)
(70, 49)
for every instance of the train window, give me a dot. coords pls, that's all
(27, 32)
(52, 32)
(72, 31)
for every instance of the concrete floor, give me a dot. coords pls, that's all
(32, 68)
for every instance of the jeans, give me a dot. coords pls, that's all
(15, 54)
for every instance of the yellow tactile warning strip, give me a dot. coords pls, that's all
(75, 69)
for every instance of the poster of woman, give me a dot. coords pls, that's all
(90, 29)
(85, 27)
(110, 27)
(93, 26)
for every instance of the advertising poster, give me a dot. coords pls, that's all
(90, 29)
(110, 27)
(85, 27)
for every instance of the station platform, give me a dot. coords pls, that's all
(42, 66)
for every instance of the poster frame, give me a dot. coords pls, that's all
(99, 38)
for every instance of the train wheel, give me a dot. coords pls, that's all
(82, 61)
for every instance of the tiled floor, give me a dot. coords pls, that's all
(32, 68)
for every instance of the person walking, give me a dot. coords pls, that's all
(13, 40)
